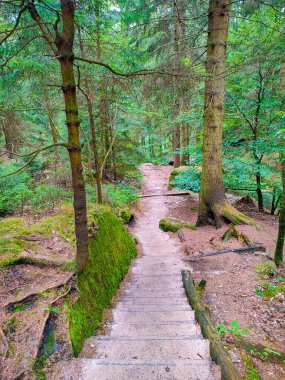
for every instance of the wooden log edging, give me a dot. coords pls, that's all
(218, 353)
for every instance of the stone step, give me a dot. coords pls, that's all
(153, 285)
(178, 369)
(157, 276)
(135, 292)
(153, 316)
(151, 307)
(174, 328)
(157, 268)
(158, 282)
(152, 300)
(163, 348)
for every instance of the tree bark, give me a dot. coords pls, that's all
(278, 256)
(88, 96)
(259, 192)
(10, 130)
(176, 127)
(213, 205)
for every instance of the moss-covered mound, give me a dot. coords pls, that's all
(110, 254)
(173, 225)
(126, 215)
(175, 173)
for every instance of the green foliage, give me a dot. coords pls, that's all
(110, 254)
(120, 195)
(266, 268)
(234, 329)
(187, 180)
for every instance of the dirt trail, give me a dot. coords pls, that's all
(153, 333)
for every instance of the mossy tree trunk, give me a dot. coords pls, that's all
(62, 47)
(213, 205)
(278, 257)
(176, 126)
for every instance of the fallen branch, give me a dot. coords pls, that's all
(209, 331)
(236, 250)
(31, 293)
(164, 194)
(258, 350)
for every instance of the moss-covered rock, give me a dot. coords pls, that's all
(175, 173)
(173, 225)
(110, 254)
(126, 215)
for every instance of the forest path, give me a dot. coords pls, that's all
(153, 333)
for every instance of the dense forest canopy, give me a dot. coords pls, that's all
(107, 85)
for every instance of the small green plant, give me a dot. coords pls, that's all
(234, 329)
(266, 268)
(222, 329)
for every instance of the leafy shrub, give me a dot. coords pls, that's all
(188, 180)
(14, 189)
(120, 195)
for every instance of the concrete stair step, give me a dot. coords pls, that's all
(163, 348)
(92, 369)
(135, 301)
(153, 329)
(153, 285)
(153, 316)
(152, 307)
(148, 292)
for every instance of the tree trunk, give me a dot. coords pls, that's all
(62, 47)
(213, 205)
(176, 127)
(278, 257)
(88, 96)
(259, 192)
(65, 51)
(10, 130)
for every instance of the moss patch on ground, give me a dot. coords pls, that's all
(173, 225)
(14, 230)
(110, 254)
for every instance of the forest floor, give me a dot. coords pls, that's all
(232, 278)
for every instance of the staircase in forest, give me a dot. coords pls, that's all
(153, 333)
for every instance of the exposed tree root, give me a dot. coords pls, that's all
(29, 258)
(32, 293)
(233, 232)
(257, 350)
(227, 211)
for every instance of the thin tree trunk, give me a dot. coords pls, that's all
(88, 96)
(176, 127)
(213, 205)
(65, 51)
(62, 47)
(278, 257)
(259, 192)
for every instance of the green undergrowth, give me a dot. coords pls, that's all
(273, 284)
(110, 254)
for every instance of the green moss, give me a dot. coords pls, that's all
(125, 215)
(251, 373)
(174, 173)
(110, 254)
(171, 225)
